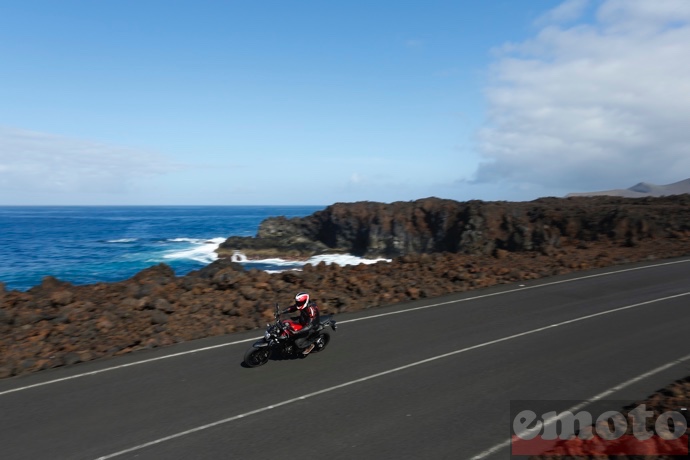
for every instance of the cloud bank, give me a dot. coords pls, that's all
(597, 104)
(45, 165)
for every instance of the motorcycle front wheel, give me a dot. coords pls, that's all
(255, 357)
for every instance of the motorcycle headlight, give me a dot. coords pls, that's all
(267, 335)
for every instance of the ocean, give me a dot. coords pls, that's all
(91, 244)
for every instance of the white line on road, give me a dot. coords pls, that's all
(522, 288)
(397, 369)
(122, 366)
(424, 307)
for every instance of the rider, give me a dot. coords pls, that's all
(308, 318)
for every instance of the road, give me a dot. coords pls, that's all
(427, 379)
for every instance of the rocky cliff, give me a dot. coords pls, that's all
(434, 225)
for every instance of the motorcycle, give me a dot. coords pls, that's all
(279, 340)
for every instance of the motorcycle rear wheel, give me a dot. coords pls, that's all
(321, 342)
(255, 357)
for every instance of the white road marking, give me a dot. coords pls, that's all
(408, 366)
(550, 421)
(122, 366)
(483, 296)
(183, 353)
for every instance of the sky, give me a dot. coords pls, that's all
(305, 102)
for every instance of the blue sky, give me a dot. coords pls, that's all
(306, 102)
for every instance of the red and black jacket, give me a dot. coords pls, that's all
(308, 317)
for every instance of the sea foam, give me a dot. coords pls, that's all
(343, 259)
(277, 265)
(202, 250)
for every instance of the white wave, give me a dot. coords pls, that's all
(274, 265)
(203, 251)
(238, 256)
(280, 265)
(343, 259)
(277, 262)
(186, 240)
(123, 240)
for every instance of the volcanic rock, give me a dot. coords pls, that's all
(435, 225)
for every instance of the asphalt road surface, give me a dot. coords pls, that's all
(428, 379)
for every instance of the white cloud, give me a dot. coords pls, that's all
(48, 165)
(593, 106)
(567, 11)
(644, 16)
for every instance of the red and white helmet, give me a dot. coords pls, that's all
(301, 300)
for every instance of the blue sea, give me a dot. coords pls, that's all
(90, 244)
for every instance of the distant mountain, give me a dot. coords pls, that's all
(642, 190)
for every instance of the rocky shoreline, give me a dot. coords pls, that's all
(433, 225)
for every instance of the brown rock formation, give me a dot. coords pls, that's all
(434, 225)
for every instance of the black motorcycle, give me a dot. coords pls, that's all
(279, 340)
